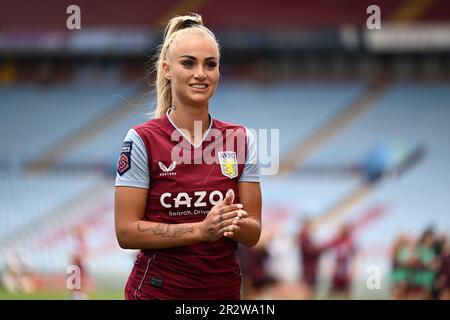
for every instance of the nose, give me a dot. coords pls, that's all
(200, 73)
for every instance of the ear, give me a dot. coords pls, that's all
(166, 69)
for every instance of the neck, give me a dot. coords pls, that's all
(184, 117)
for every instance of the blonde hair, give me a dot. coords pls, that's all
(162, 84)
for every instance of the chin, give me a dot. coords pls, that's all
(200, 100)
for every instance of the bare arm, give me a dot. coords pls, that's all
(249, 229)
(133, 232)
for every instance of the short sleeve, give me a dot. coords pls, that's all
(132, 166)
(251, 171)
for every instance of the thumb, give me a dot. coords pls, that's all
(229, 198)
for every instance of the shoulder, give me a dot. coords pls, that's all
(154, 129)
(149, 126)
(237, 129)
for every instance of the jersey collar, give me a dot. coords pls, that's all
(181, 132)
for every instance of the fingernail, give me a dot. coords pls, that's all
(240, 206)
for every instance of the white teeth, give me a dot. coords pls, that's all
(199, 86)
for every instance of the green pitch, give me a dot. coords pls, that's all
(61, 295)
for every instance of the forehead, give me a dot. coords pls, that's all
(196, 43)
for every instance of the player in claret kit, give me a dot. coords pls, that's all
(187, 185)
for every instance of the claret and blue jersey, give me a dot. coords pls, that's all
(184, 182)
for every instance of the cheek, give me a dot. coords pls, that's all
(214, 76)
(179, 78)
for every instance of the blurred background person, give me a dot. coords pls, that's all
(310, 253)
(443, 286)
(344, 250)
(257, 279)
(402, 253)
(424, 265)
(79, 258)
(17, 277)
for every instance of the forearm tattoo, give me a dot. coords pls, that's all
(166, 230)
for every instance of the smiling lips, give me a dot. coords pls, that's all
(199, 86)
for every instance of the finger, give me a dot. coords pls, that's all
(232, 233)
(225, 209)
(238, 221)
(239, 214)
(242, 214)
(229, 198)
(229, 222)
(228, 227)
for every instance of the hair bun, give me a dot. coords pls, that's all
(182, 22)
(188, 23)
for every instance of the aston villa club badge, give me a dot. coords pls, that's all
(124, 163)
(228, 163)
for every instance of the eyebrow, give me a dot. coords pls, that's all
(194, 58)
